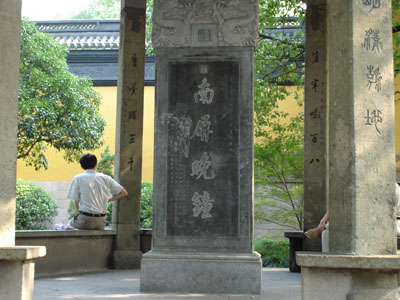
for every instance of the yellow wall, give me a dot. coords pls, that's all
(60, 170)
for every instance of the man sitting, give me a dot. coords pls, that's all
(91, 192)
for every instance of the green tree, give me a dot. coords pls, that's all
(56, 108)
(110, 9)
(278, 148)
(100, 9)
(106, 163)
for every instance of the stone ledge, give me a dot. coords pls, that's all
(21, 252)
(62, 233)
(339, 261)
(209, 256)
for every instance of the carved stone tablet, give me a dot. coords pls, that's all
(203, 168)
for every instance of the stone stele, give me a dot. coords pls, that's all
(203, 201)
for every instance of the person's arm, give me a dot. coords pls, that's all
(121, 195)
(77, 205)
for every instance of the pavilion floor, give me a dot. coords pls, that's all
(277, 284)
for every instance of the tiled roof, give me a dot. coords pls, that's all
(84, 34)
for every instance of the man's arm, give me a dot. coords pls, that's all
(121, 195)
(77, 205)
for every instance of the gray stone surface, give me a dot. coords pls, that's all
(361, 128)
(315, 122)
(203, 157)
(331, 260)
(349, 284)
(277, 284)
(201, 273)
(72, 251)
(205, 24)
(20, 253)
(10, 18)
(16, 280)
(232, 198)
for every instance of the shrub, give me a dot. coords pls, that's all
(35, 207)
(146, 206)
(274, 253)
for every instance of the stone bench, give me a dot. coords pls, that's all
(17, 271)
(295, 244)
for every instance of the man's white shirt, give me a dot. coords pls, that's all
(93, 189)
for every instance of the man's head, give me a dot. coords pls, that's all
(88, 161)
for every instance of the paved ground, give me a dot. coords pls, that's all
(277, 284)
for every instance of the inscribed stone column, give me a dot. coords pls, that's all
(16, 264)
(128, 160)
(361, 149)
(362, 261)
(315, 121)
(203, 201)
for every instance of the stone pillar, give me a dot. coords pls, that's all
(315, 121)
(128, 159)
(362, 170)
(362, 261)
(16, 264)
(10, 18)
(203, 201)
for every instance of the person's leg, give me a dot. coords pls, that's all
(89, 223)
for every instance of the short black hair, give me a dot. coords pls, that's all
(88, 161)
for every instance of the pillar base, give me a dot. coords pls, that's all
(127, 259)
(17, 270)
(349, 277)
(166, 272)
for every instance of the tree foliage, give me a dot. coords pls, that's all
(100, 9)
(278, 148)
(35, 207)
(56, 108)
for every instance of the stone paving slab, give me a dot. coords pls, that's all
(277, 284)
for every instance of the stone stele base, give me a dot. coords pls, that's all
(201, 273)
(17, 270)
(349, 277)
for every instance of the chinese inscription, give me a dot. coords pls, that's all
(205, 95)
(202, 205)
(201, 167)
(180, 128)
(132, 114)
(202, 129)
(132, 137)
(314, 137)
(134, 60)
(314, 84)
(374, 118)
(374, 77)
(371, 3)
(130, 163)
(372, 40)
(133, 88)
(315, 57)
(315, 114)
